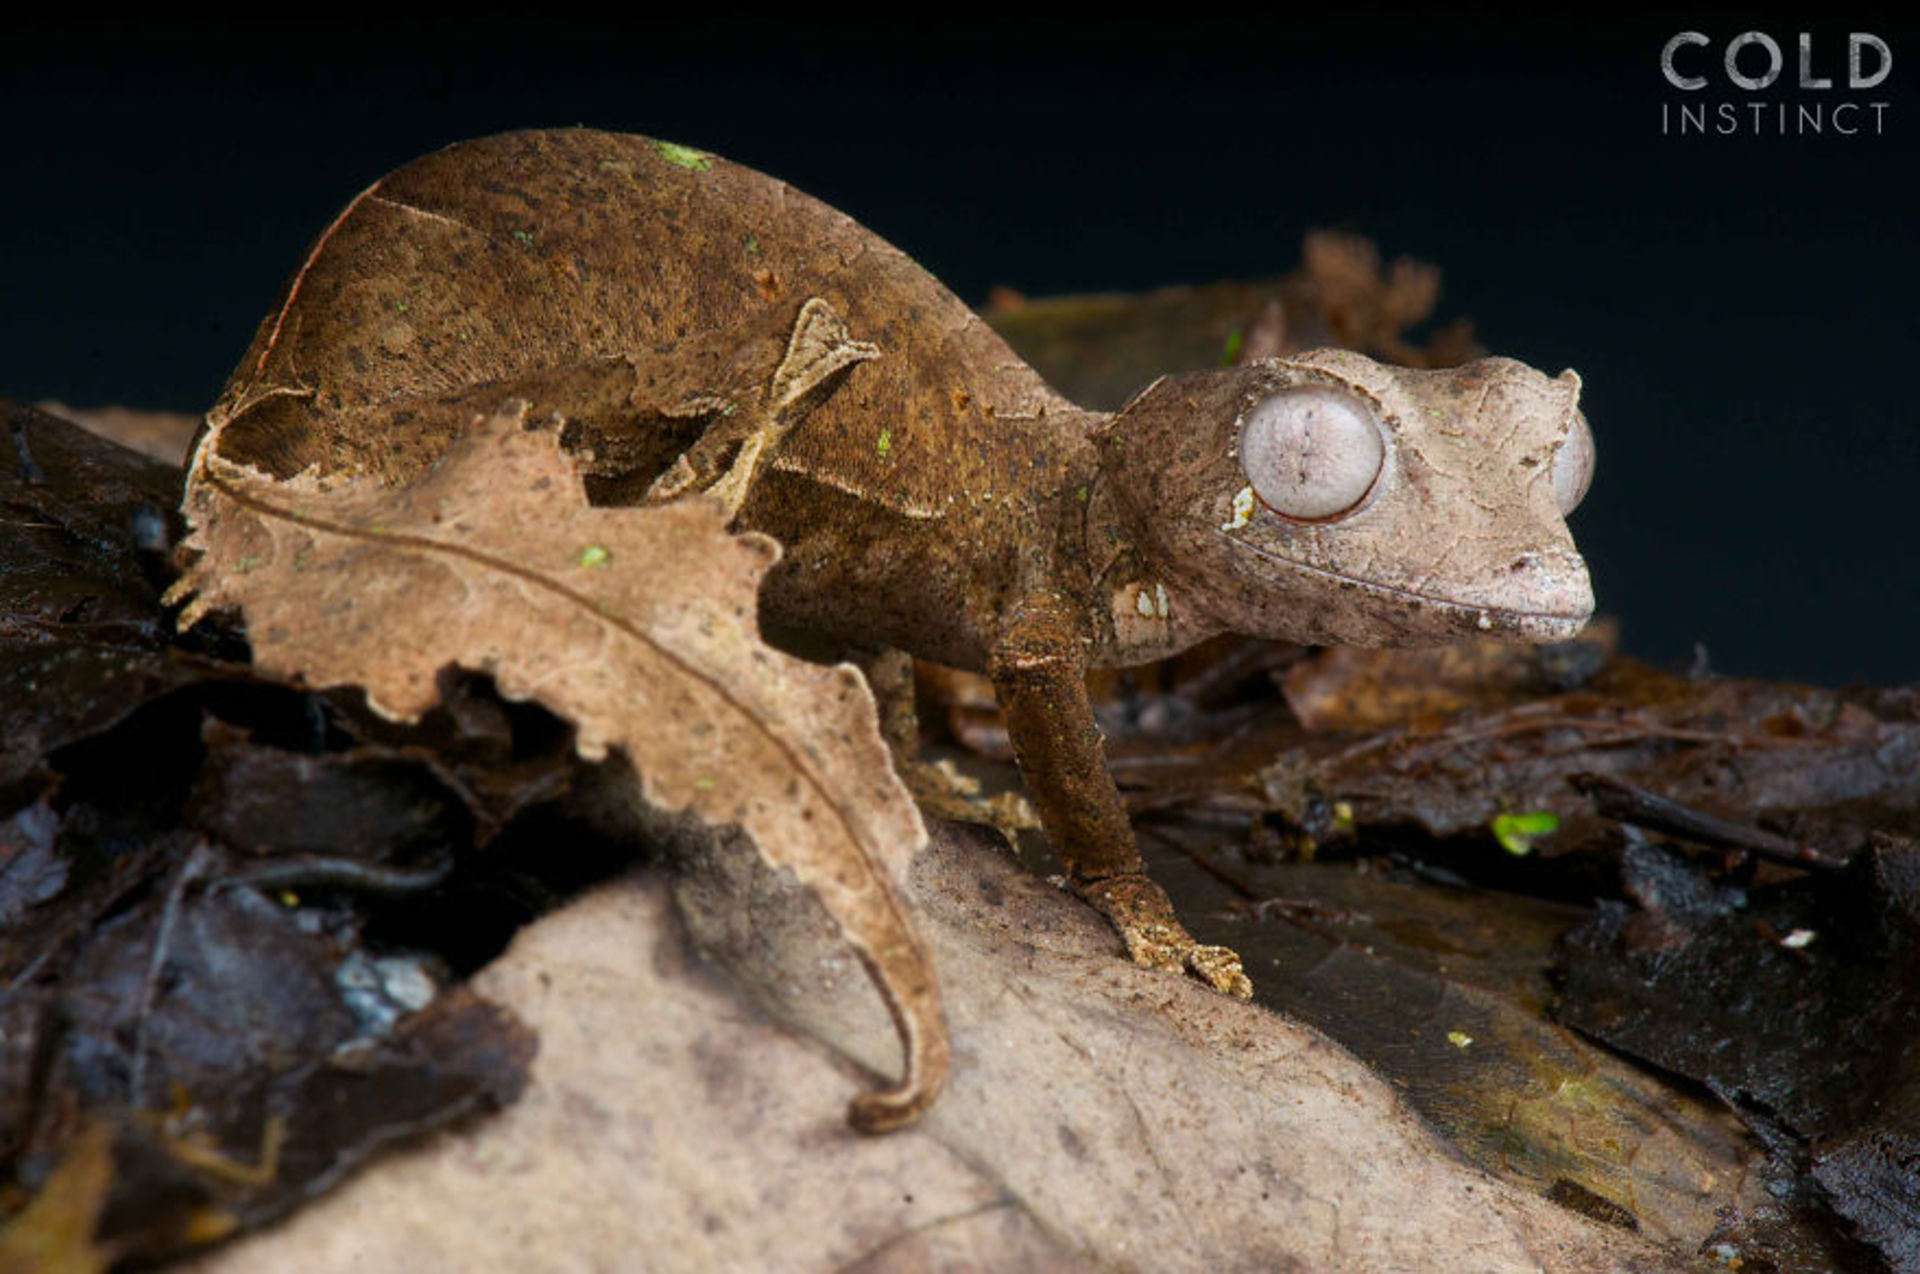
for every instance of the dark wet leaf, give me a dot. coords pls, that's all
(1823, 769)
(248, 1052)
(369, 803)
(1872, 1175)
(83, 639)
(89, 524)
(1896, 861)
(30, 872)
(1790, 1000)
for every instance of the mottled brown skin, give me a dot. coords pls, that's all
(694, 324)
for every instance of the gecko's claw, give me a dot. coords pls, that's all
(1143, 915)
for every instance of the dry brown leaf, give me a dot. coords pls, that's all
(638, 625)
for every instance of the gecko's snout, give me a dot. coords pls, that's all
(1539, 595)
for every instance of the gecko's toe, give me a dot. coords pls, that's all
(1140, 911)
(1219, 968)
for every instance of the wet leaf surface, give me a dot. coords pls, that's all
(82, 564)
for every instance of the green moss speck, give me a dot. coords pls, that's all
(1517, 832)
(885, 445)
(523, 237)
(1236, 341)
(753, 246)
(685, 156)
(594, 555)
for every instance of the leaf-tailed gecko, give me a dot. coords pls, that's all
(698, 326)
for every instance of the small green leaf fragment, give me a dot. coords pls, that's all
(1342, 816)
(1081, 493)
(1236, 341)
(594, 555)
(1517, 832)
(1459, 1039)
(399, 307)
(885, 445)
(753, 246)
(704, 785)
(685, 156)
(524, 238)
(247, 563)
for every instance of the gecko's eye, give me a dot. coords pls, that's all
(1311, 453)
(1573, 466)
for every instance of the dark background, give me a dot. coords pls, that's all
(1742, 308)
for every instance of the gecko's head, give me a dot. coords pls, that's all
(1331, 499)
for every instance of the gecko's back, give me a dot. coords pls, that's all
(494, 259)
(513, 260)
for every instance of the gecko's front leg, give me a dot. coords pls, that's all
(1039, 673)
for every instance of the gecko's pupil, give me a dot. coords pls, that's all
(1311, 453)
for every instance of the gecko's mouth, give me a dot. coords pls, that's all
(1432, 613)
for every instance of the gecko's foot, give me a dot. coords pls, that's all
(944, 792)
(1155, 938)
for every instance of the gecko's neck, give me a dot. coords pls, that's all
(1139, 611)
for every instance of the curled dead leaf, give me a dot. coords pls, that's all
(638, 625)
